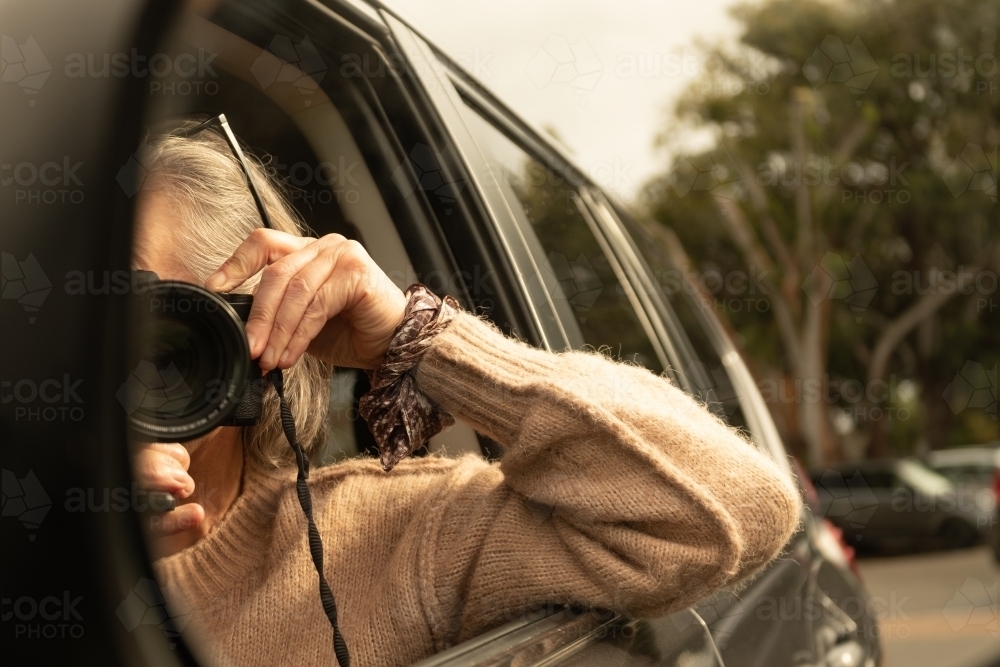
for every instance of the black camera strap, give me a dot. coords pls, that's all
(305, 501)
(287, 421)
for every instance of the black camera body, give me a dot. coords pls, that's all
(192, 367)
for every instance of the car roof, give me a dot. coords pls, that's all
(983, 455)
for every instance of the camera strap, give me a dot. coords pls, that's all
(305, 501)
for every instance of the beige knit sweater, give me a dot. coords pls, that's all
(615, 489)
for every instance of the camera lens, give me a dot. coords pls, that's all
(192, 363)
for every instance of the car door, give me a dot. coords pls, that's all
(886, 523)
(765, 624)
(788, 614)
(589, 285)
(579, 292)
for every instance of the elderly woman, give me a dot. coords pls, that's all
(615, 489)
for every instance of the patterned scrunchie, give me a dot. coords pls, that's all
(399, 416)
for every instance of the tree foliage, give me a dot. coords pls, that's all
(851, 176)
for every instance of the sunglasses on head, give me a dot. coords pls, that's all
(234, 145)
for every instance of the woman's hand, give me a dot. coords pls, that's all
(323, 295)
(163, 467)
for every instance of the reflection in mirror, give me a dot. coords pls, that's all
(204, 429)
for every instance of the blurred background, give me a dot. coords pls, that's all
(830, 169)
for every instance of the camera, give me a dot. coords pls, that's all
(191, 363)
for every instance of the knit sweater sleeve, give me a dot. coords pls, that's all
(615, 488)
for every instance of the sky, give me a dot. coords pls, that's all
(603, 74)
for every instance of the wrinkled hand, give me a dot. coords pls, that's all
(163, 467)
(323, 295)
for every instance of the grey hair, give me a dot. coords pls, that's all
(204, 181)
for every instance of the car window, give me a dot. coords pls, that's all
(972, 475)
(576, 269)
(699, 358)
(923, 479)
(881, 480)
(346, 169)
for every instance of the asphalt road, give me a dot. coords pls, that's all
(937, 609)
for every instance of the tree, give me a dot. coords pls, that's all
(852, 169)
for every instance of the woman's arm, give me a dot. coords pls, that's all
(615, 488)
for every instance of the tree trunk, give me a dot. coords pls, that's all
(811, 376)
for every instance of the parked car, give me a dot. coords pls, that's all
(898, 504)
(995, 528)
(386, 139)
(971, 466)
(973, 471)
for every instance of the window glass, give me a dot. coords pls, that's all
(578, 271)
(923, 479)
(699, 360)
(881, 480)
(971, 475)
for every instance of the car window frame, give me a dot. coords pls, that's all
(430, 73)
(502, 120)
(457, 93)
(442, 81)
(472, 93)
(759, 421)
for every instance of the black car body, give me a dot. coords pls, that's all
(900, 504)
(973, 472)
(387, 140)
